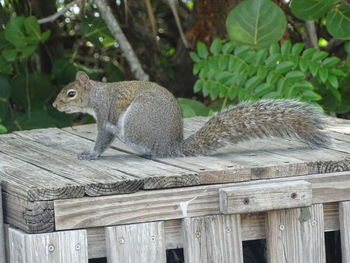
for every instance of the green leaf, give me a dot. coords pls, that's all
(256, 22)
(330, 62)
(284, 67)
(311, 9)
(242, 50)
(263, 89)
(310, 95)
(347, 47)
(252, 83)
(194, 57)
(228, 48)
(192, 108)
(14, 32)
(335, 93)
(10, 54)
(198, 86)
(260, 57)
(323, 74)
(3, 129)
(272, 60)
(202, 50)
(308, 53)
(5, 88)
(32, 29)
(297, 48)
(272, 78)
(274, 49)
(5, 67)
(294, 76)
(216, 46)
(286, 47)
(28, 50)
(214, 90)
(319, 55)
(303, 64)
(271, 95)
(95, 30)
(45, 36)
(314, 66)
(232, 92)
(333, 81)
(338, 22)
(337, 72)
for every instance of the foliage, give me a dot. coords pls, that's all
(256, 22)
(287, 71)
(252, 65)
(337, 14)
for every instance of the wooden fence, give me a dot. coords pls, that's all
(292, 214)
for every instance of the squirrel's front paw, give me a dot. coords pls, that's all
(88, 155)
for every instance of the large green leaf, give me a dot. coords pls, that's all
(256, 22)
(95, 30)
(32, 29)
(311, 9)
(192, 108)
(14, 32)
(338, 22)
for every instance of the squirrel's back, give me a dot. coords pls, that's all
(265, 118)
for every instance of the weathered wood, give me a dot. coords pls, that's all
(32, 217)
(265, 196)
(252, 228)
(213, 239)
(153, 174)
(2, 233)
(96, 180)
(138, 243)
(161, 204)
(58, 247)
(296, 235)
(32, 183)
(344, 220)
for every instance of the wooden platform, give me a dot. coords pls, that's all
(45, 188)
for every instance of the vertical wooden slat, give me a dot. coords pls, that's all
(2, 234)
(212, 239)
(57, 247)
(296, 235)
(344, 221)
(136, 243)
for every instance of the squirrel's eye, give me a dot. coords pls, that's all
(71, 94)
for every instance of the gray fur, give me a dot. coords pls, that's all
(260, 119)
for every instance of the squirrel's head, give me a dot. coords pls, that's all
(75, 96)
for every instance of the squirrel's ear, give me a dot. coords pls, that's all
(82, 77)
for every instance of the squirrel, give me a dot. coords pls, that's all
(147, 117)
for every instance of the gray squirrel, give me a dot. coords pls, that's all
(147, 117)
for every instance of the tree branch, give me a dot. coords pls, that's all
(311, 33)
(118, 34)
(178, 23)
(59, 13)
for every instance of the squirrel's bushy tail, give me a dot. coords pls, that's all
(264, 118)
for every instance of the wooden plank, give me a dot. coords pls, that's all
(138, 243)
(264, 197)
(153, 174)
(58, 247)
(344, 220)
(252, 228)
(96, 180)
(2, 233)
(32, 217)
(212, 239)
(165, 204)
(32, 183)
(296, 235)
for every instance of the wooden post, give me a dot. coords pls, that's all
(56, 247)
(344, 221)
(296, 235)
(136, 243)
(2, 234)
(212, 239)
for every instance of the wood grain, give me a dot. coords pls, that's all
(58, 247)
(296, 235)
(213, 239)
(137, 243)
(265, 196)
(344, 220)
(2, 233)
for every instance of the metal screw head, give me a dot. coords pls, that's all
(198, 234)
(228, 229)
(293, 195)
(313, 222)
(281, 227)
(153, 238)
(51, 248)
(121, 241)
(77, 246)
(246, 201)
